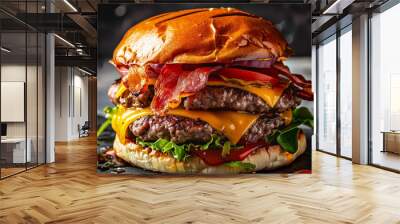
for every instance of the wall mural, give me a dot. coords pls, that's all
(204, 89)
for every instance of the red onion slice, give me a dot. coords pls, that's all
(255, 63)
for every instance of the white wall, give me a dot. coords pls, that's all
(14, 73)
(80, 108)
(61, 103)
(71, 107)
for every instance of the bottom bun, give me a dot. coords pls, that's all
(266, 158)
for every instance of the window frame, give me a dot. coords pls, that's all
(380, 9)
(334, 37)
(27, 29)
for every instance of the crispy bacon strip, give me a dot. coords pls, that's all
(305, 94)
(302, 85)
(177, 80)
(295, 78)
(135, 78)
(174, 81)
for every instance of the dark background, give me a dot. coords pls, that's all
(293, 20)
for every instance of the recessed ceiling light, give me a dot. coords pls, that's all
(337, 6)
(64, 40)
(84, 71)
(70, 5)
(5, 50)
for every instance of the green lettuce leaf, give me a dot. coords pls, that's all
(181, 152)
(287, 136)
(109, 113)
(226, 149)
(217, 142)
(241, 165)
(168, 147)
(214, 142)
(303, 115)
(165, 146)
(160, 144)
(288, 140)
(143, 143)
(206, 145)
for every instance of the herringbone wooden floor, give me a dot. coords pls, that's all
(69, 191)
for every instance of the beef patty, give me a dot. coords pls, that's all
(228, 98)
(218, 98)
(181, 129)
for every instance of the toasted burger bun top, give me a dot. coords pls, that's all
(201, 36)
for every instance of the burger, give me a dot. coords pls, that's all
(206, 91)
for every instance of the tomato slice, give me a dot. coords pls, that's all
(213, 157)
(247, 75)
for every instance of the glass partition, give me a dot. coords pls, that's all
(31, 97)
(326, 112)
(41, 97)
(22, 77)
(13, 95)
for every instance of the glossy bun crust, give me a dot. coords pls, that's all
(201, 36)
(265, 158)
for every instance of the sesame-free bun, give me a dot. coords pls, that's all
(204, 35)
(266, 158)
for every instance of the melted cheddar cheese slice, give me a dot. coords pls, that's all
(232, 124)
(120, 91)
